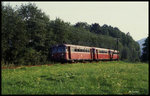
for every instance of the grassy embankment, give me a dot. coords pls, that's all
(79, 78)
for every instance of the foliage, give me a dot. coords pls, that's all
(145, 55)
(14, 36)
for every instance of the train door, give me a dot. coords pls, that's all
(110, 54)
(91, 52)
(94, 54)
(97, 53)
(69, 52)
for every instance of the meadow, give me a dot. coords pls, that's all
(116, 77)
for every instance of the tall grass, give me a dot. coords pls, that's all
(79, 78)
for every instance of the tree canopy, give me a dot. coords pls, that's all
(145, 55)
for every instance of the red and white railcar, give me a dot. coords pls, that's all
(68, 52)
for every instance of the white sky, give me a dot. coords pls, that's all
(127, 16)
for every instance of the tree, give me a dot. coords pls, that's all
(14, 38)
(125, 53)
(145, 55)
(39, 34)
(104, 30)
(36, 25)
(95, 28)
(83, 25)
(60, 30)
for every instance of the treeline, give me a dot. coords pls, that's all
(28, 33)
(145, 55)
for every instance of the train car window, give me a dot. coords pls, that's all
(60, 49)
(55, 50)
(78, 50)
(115, 52)
(72, 49)
(102, 51)
(83, 50)
(75, 50)
(64, 49)
(86, 50)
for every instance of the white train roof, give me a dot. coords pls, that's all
(79, 46)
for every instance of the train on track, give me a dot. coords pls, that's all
(73, 53)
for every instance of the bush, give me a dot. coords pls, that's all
(32, 57)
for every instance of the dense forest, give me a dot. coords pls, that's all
(145, 55)
(28, 34)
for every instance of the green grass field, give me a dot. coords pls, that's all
(79, 78)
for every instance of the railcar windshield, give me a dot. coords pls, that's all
(54, 50)
(59, 49)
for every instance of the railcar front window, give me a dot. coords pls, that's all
(54, 50)
(61, 49)
(64, 49)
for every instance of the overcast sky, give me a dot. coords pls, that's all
(127, 16)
